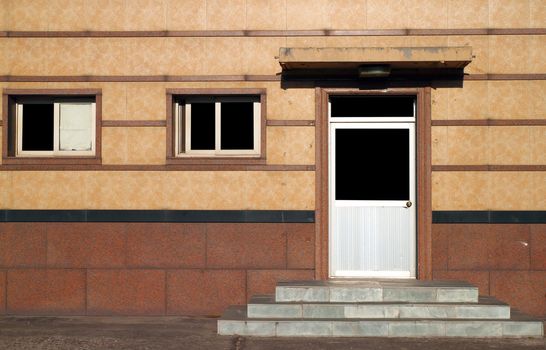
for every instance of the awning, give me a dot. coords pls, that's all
(396, 58)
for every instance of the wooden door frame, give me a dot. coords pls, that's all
(423, 176)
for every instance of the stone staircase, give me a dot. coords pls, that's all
(377, 308)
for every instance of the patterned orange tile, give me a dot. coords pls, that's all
(468, 102)
(426, 13)
(346, 14)
(537, 9)
(105, 14)
(467, 145)
(146, 101)
(260, 55)
(5, 195)
(48, 190)
(224, 55)
(67, 56)
(480, 51)
(439, 103)
(510, 145)
(114, 101)
(537, 52)
(290, 104)
(265, 190)
(66, 15)
(145, 15)
(509, 54)
(460, 190)
(226, 14)
(509, 13)
(538, 144)
(107, 190)
(536, 97)
(510, 100)
(107, 56)
(146, 145)
(28, 15)
(114, 145)
(299, 192)
(266, 14)
(291, 145)
(512, 190)
(306, 14)
(4, 15)
(468, 13)
(28, 56)
(185, 56)
(539, 190)
(439, 145)
(387, 14)
(186, 14)
(145, 56)
(144, 190)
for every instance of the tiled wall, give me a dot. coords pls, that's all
(506, 261)
(146, 269)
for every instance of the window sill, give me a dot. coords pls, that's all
(216, 160)
(52, 160)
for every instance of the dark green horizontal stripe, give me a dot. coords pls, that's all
(242, 216)
(489, 217)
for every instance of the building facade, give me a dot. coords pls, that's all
(173, 157)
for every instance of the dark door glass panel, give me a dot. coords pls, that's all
(372, 164)
(37, 127)
(371, 106)
(237, 126)
(202, 126)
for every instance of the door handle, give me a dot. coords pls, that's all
(408, 204)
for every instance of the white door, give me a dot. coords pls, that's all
(372, 196)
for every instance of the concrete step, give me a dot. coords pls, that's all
(235, 322)
(264, 306)
(355, 291)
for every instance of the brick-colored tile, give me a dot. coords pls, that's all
(2, 292)
(440, 239)
(126, 292)
(471, 247)
(300, 246)
(86, 245)
(51, 292)
(166, 245)
(523, 290)
(511, 246)
(204, 292)
(246, 245)
(479, 278)
(538, 247)
(22, 244)
(264, 281)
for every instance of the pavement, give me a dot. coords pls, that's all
(86, 332)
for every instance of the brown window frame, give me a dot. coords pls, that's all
(214, 160)
(9, 97)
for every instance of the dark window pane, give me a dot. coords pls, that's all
(202, 126)
(372, 164)
(37, 127)
(372, 106)
(237, 129)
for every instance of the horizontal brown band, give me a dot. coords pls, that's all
(133, 123)
(489, 122)
(290, 123)
(271, 33)
(214, 78)
(145, 167)
(489, 168)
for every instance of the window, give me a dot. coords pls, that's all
(216, 126)
(48, 126)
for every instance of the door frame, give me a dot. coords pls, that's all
(423, 175)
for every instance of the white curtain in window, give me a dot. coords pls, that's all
(75, 124)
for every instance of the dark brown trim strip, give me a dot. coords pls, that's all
(0, 122)
(489, 122)
(290, 123)
(530, 76)
(272, 33)
(145, 167)
(134, 123)
(213, 78)
(489, 168)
